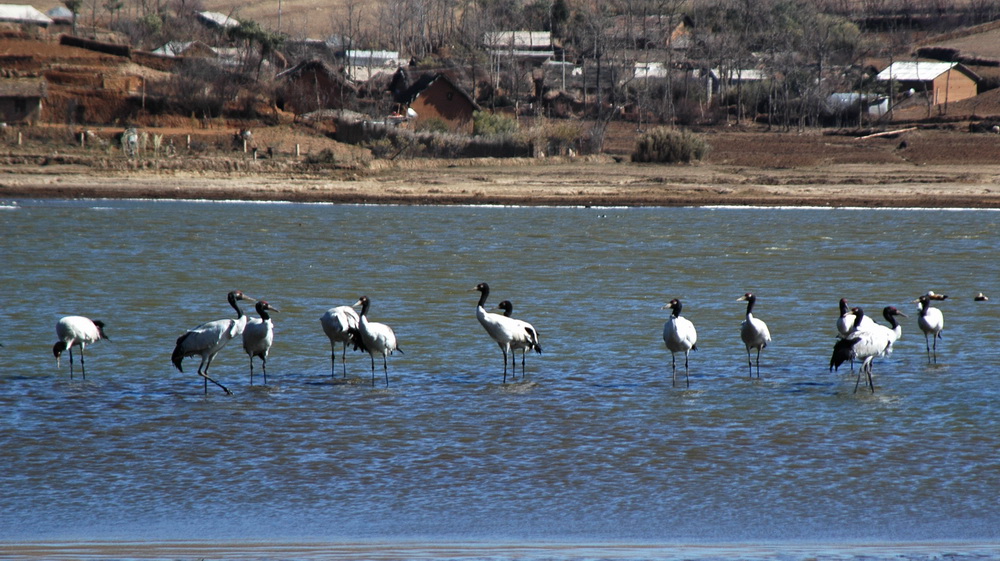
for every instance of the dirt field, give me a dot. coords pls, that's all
(915, 169)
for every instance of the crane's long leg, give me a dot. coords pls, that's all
(871, 384)
(71, 363)
(522, 362)
(749, 362)
(207, 379)
(673, 368)
(343, 359)
(263, 366)
(251, 370)
(385, 368)
(83, 367)
(687, 378)
(758, 362)
(373, 368)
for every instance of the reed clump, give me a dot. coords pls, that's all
(669, 146)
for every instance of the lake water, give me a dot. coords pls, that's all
(592, 454)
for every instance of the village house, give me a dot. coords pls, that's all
(941, 82)
(523, 46)
(362, 65)
(24, 15)
(21, 100)
(435, 96)
(313, 85)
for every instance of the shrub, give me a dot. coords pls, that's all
(433, 124)
(663, 145)
(492, 124)
(325, 156)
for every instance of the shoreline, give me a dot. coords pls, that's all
(583, 182)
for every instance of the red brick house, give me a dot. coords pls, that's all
(435, 96)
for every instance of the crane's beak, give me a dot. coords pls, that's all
(898, 313)
(357, 304)
(741, 299)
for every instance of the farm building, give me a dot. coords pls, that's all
(942, 82)
(23, 14)
(312, 85)
(21, 100)
(436, 96)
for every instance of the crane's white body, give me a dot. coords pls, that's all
(258, 336)
(338, 323)
(76, 331)
(753, 332)
(377, 338)
(680, 336)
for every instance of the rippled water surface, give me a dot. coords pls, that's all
(592, 445)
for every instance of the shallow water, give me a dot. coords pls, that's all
(593, 445)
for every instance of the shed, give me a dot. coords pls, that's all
(942, 82)
(24, 14)
(216, 20)
(195, 49)
(313, 85)
(21, 100)
(437, 96)
(362, 65)
(534, 46)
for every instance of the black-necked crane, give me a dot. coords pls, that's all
(258, 336)
(208, 339)
(753, 331)
(845, 323)
(525, 341)
(375, 338)
(338, 324)
(931, 322)
(77, 331)
(864, 344)
(680, 336)
(501, 329)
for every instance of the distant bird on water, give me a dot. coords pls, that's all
(980, 297)
(77, 331)
(208, 339)
(680, 336)
(258, 335)
(527, 340)
(753, 331)
(931, 322)
(375, 338)
(338, 323)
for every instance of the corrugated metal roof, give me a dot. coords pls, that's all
(518, 39)
(221, 20)
(914, 71)
(22, 13)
